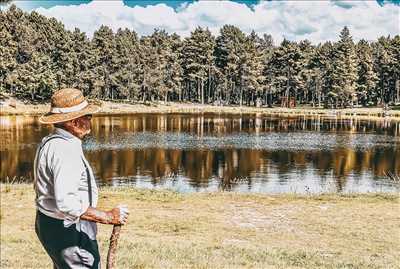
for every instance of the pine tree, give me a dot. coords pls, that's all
(367, 78)
(105, 62)
(320, 68)
(344, 73)
(174, 75)
(160, 42)
(148, 66)
(38, 55)
(84, 64)
(227, 59)
(285, 66)
(267, 48)
(127, 64)
(305, 91)
(250, 68)
(395, 51)
(383, 65)
(8, 48)
(154, 51)
(197, 63)
(65, 60)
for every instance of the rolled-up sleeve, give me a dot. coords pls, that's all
(67, 168)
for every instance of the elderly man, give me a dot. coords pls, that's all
(66, 191)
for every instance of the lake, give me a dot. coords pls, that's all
(211, 152)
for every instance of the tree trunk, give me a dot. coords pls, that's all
(209, 86)
(269, 99)
(265, 93)
(319, 98)
(202, 91)
(287, 94)
(210, 93)
(382, 84)
(198, 90)
(241, 95)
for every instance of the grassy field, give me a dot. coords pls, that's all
(225, 230)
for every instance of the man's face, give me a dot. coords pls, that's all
(82, 126)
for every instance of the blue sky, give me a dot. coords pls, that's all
(316, 21)
(30, 5)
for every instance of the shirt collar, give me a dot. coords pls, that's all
(66, 134)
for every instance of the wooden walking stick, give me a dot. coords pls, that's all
(113, 247)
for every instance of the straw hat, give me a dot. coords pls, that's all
(68, 104)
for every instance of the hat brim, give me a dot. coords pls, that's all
(51, 118)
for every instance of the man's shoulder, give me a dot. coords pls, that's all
(58, 143)
(53, 139)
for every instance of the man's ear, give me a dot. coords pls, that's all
(73, 123)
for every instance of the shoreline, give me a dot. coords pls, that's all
(112, 108)
(223, 230)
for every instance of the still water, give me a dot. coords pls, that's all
(210, 152)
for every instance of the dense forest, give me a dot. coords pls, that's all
(38, 56)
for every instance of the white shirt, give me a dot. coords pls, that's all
(61, 183)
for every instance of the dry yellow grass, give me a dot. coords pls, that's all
(110, 108)
(225, 230)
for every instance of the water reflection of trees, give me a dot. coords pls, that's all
(230, 165)
(221, 124)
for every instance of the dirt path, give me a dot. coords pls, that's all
(13, 107)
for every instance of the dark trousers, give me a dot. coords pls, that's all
(66, 246)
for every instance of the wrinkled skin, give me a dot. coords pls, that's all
(79, 127)
(113, 216)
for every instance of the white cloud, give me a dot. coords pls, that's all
(317, 21)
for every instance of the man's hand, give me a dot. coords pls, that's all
(116, 216)
(119, 215)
